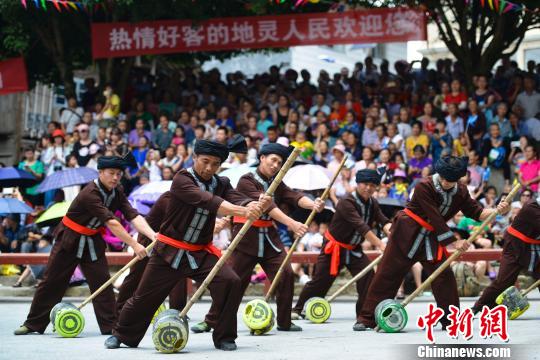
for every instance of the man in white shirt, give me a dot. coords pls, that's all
(71, 116)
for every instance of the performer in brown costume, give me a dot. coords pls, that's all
(178, 295)
(78, 241)
(355, 216)
(521, 250)
(262, 244)
(420, 233)
(185, 249)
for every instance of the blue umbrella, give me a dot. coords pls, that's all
(14, 206)
(11, 176)
(68, 177)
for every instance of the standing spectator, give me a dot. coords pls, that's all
(454, 122)
(36, 168)
(495, 150)
(71, 116)
(167, 106)
(112, 104)
(141, 113)
(81, 148)
(529, 171)
(12, 234)
(528, 102)
(320, 105)
(476, 125)
(140, 155)
(369, 135)
(163, 136)
(456, 96)
(501, 119)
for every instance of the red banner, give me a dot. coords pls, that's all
(13, 76)
(174, 36)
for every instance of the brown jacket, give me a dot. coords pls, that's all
(527, 222)
(435, 206)
(90, 210)
(193, 211)
(255, 238)
(156, 215)
(349, 223)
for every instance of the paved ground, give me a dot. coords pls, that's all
(325, 341)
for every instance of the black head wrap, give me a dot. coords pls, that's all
(274, 148)
(368, 176)
(452, 168)
(207, 147)
(117, 162)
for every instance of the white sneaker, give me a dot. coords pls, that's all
(304, 279)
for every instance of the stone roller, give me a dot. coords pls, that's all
(516, 301)
(258, 315)
(68, 320)
(170, 331)
(318, 309)
(391, 315)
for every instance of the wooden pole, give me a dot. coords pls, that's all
(114, 277)
(239, 236)
(285, 262)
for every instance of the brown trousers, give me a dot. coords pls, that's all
(510, 266)
(243, 265)
(158, 280)
(322, 280)
(177, 296)
(61, 265)
(389, 276)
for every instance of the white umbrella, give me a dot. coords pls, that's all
(151, 191)
(234, 174)
(307, 177)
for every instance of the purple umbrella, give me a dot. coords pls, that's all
(68, 177)
(145, 196)
(11, 176)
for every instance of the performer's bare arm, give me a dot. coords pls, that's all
(142, 226)
(307, 203)
(298, 228)
(118, 230)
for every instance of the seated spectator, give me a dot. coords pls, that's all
(382, 140)
(344, 183)
(305, 145)
(417, 137)
(427, 119)
(476, 172)
(141, 113)
(170, 158)
(320, 105)
(501, 119)
(476, 125)
(527, 103)
(138, 132)
(163, 135)
(419, 162)
(441, 142)
(35, 167)
(399, 188)
(454, 122)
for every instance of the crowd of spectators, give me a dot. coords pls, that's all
(402, 117)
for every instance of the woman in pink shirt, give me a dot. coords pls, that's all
(529, 171)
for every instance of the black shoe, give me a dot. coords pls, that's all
(112, 342)
(360, 327)
(227, 346)
(293, 327)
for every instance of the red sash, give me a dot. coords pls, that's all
(257, 223)
(521, 236)
(78, 228)
(441, 250)
(179, 244)
(333, 247)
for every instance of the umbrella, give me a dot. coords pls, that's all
(14, 206)
(307, 177)
(145, 196)
(52, 215)
(10, 177)
(68, 177)
(234, 174)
